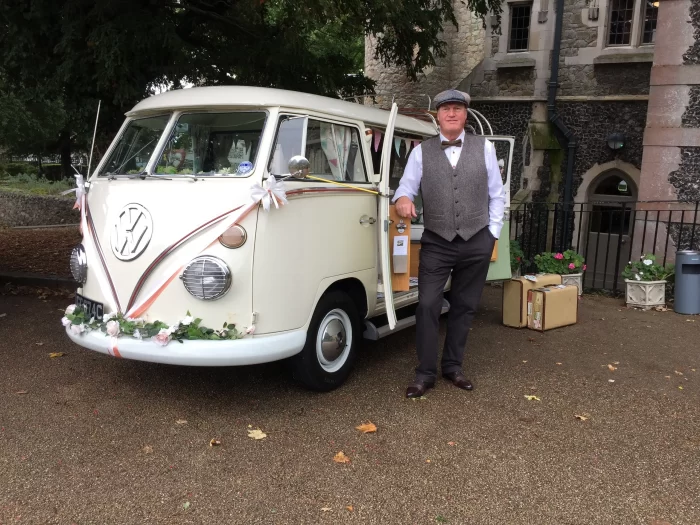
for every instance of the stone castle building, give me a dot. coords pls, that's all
(625, 104)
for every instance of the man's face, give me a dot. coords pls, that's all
(452, 118)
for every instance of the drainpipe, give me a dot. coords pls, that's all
(555, 119)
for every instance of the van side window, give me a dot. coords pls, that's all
(333, 150)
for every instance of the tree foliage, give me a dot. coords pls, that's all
(61, 56)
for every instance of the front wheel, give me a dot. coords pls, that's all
(328, 356)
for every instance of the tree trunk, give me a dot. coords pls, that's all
(65, 148)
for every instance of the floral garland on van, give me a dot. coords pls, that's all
(115, 325)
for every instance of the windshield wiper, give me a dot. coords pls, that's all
(143, 176)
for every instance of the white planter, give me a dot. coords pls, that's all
(575, 279)
(645, 294)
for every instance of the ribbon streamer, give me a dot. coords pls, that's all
(79, 191)
(377, 138)
(271, 192)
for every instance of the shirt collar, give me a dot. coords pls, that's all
(461, 137)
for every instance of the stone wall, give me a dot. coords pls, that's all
(465, 49)
(605, 79)
(591, 123)
(21, 209)
(506, 82)
(511, 119)
(692, 56)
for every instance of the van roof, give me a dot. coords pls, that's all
(246, 96)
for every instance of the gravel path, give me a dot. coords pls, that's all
(88, 439)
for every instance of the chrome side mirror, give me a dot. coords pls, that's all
(299, 166)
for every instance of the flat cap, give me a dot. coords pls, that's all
(451, 95)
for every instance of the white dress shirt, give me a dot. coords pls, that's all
(412, 175)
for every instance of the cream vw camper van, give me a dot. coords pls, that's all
(238, 225)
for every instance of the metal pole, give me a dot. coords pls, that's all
(94, 133)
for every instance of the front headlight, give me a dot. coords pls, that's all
(207, 277)
(78, 264)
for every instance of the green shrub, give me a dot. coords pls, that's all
(561, 263)
(517, 257)
(646, 269)
(16, 168)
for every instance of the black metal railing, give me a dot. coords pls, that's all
(607, 234)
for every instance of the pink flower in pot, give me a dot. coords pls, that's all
(572, 266)
(559, 256)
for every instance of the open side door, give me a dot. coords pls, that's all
(499, 269)
(384, 222)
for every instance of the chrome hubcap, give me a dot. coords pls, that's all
(334, 340)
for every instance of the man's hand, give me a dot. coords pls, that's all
(405, 208)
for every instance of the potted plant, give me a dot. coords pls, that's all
(569, 264)
(645, 282)
(517, 258)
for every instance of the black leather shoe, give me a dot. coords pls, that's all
(459, 380)
(418, 388)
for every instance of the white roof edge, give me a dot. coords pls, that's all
(245, 96)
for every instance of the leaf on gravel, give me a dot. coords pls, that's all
(350, 508)
(56, 354)
(680, 388)
(582, 417)
(661, 309)
(325, 509)
(181, 421)
(678, 373)
(148, 449)
(341, 458)
(39, 344)
(611, 380)
(612, 368)
(532, 398)
(667, 377)
(421, 398)
(616, 362)
(559, 363)
(451, 443)
(214, 443)
(22, 392)
(367, 427)
(3, 315)
(256, 434)
(186, 505)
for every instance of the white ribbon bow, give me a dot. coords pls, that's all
(79, 190)
(270, 191)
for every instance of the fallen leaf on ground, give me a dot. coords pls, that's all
(39, 344)
(532, 398)
(325, 509)
(148, 449)
(421, 398)
(349, 507)
(690, 320)
(582, 417)
(21, 392)
(680, 388)
(341, 458)
(214, 443)
(661, 309)
(3, 315)
(257, 434)
(616, 362)
(667, 377)
(559, 363)
(611, 380)
(678, 373)
(524, 361)
(612, 368)
(181, 421)
(56, 354)
(451, 443)
(186, 505)
(367, 427)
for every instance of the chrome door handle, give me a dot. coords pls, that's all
(367, 220)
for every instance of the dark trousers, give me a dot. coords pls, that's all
(468, 261)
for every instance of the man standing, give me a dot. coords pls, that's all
(463, 204)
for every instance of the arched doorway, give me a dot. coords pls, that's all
(611, 201)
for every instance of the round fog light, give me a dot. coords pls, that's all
(78, 264)
(207, 277)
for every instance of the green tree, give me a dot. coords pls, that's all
(61, 56)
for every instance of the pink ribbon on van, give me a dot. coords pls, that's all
(271, 192)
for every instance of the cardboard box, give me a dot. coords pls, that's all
(552, 307)
(515, 296)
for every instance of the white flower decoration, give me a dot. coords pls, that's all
(107, 317)
(636, 276)
(77, 329)
(137, 334)
(112, 328)
(271, 192)
(648, 262)
(65, 321)
(172, 328)
(187, 320)
(70, 309)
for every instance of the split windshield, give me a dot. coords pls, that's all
(203, 144)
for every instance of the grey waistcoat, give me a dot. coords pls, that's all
(455, 200)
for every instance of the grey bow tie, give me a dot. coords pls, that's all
(447, 143)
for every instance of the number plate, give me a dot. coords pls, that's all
(92, 308)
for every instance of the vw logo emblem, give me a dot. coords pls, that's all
(132, 232)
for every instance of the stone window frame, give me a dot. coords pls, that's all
(511, 5)
(637, 34)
